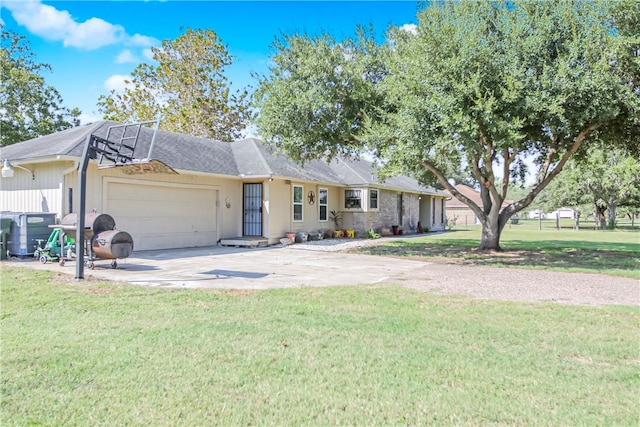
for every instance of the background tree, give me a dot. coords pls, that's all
(28, 106)
(477, 86)
(604, 181)
(186, 89)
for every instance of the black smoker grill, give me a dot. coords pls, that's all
(102, 240)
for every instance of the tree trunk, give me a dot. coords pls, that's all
(491, 230)
(599, 217)
(611, 214)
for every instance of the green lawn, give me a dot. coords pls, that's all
(110, 354)
(593, 251)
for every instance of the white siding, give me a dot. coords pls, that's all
(22, 193)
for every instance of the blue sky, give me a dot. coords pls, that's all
(92, 45)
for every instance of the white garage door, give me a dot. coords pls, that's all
(163, 216)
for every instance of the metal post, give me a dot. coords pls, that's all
(82, 189)
(153, 138)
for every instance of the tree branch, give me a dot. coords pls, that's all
(509, 158)
(443, 180)
(488, 191)
(544, 179)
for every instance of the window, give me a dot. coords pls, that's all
(373, 199)
(433, 211)
(441, 211)
(323, 204)
(352, 199)
(298, 199)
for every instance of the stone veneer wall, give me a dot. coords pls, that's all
(387, 215)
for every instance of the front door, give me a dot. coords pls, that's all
(252, 205)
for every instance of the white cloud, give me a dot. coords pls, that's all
(409, 28)
(143, 41)
(88, 118)
(94, 33)
(53, 24)
(117, 82)
(126, 56)
(147, 53)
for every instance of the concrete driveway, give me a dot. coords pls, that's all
(308, 265)
(243, 268)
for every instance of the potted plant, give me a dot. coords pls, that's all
(336, 217)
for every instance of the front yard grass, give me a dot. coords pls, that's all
(109, 354)
(525, 246)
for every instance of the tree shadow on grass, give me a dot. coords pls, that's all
(557, 255)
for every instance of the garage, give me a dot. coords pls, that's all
(163, 215)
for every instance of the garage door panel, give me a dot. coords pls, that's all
(164, 217)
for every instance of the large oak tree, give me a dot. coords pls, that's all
(475, 86)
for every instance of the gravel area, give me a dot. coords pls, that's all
(504, 283)
(335, 245)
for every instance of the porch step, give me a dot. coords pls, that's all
(245, 242)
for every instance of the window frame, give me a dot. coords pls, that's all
(376, 198)
(325, 204)
(299, 203)
(349, 195)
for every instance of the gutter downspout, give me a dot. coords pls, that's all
(70, 169)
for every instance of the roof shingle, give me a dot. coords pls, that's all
(245, 158)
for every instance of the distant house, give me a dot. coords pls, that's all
(222, 190)
(565, 213)
(461, 213)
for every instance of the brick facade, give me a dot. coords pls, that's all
(387, 215)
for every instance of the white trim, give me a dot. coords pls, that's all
(326, 205)
(294, 203)
(377, 207)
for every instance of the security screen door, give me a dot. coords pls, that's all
(252, 205)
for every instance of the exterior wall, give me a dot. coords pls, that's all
(438, 214)
(230, 192)
(278, 208)
(432, 214)
(21, 193)
(415, 208)
(49, 193)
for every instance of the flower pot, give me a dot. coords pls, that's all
(291, 237)
(301, 237)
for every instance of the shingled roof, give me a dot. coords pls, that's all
(244, 158)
